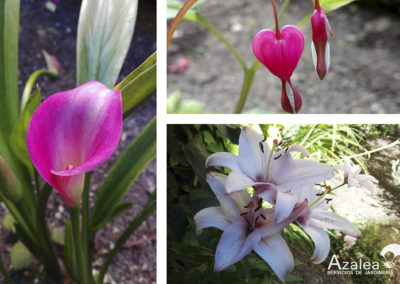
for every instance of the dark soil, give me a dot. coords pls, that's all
(56, 33)
(365, 56)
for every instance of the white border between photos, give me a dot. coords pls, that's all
(163, 120)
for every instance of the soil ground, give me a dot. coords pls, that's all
(56, 33)
(365, 55)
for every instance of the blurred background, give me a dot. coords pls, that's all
(365, 54)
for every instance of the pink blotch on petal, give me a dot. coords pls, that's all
(73, 132)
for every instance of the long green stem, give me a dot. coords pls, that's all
(30, 83)
(83, 272)
(85, 225)
(43, 233)
(146, 212)
(4, 272)
(247, 81)
(377, 149)
(206, 23)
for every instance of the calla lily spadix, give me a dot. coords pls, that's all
(246, 227)
(320, 46)
(316, 217)
(280, 51)
(73, 132)
(274, 174)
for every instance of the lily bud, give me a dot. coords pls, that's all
(53, 65)
(320, 45)
(9, 184)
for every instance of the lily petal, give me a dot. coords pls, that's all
(276, 253)
(285, 203)
(228, 205)
(233, 246)
(73, 132)
(266, 191)
(321, 242)
(251, 158)
(224, 159)
(330, 220)
(211, 217)
(237, 181)
(287, 173)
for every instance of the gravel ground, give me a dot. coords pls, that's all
(56, 33)
(365, 56)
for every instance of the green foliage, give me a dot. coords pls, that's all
(20, 256)
(175, 104)
(374, 237)
(103, 26)
(120, 178)
(18, 134)
(8, 222)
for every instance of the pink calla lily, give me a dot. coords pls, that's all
(73, 132)
(246, 228)
(274, 175)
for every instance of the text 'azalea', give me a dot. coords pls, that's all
(73, 132)
(280, 52)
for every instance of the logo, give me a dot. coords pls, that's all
(390, 254)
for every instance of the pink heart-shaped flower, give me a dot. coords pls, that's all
(279, 55)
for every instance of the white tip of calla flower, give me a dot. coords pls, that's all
(276, 253)
(290, 96)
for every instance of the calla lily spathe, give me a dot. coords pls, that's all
(246, 228)
(274, 175)
(73, 132)
(353, 177)
(316, 217)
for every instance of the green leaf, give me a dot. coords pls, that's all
(58, 236)
(20, 256)
(293, 278)
(120, 209)
(121, 177)
(18, 134)
(9, 25)
(105, 32)
(8, 222)
(139, 85)
(70, 261)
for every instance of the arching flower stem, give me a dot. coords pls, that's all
(278, 33)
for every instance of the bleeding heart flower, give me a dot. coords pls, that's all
(280, 52)
(320, 45)
(73, 132)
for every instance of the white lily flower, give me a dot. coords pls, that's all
(316, 217)
(274, 175)
(353, 177)
(246, 227)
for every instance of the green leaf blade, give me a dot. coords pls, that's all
(103, 26)
(121, 177)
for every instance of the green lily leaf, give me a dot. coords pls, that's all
(104, 27)
(20, 256)
(121, 177)
(139, 85)
(18, 134)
